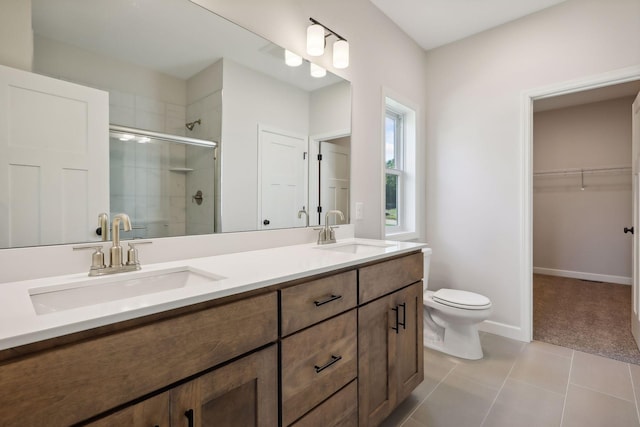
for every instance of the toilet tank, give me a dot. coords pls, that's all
(426, 252)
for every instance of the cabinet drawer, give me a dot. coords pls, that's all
(315, 301)
(71, 383)
(316, 363)
(385, 277)
(340, 410)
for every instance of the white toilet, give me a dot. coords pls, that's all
(451, 318)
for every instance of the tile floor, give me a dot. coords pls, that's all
(522, 385)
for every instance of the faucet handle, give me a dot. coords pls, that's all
(132, 253)
(97, 258)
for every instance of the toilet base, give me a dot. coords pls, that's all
(461, 341)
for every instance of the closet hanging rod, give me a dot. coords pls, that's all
(583, 171)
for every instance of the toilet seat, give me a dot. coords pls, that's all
(461, 299)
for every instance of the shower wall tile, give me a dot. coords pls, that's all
(150, 121)
(122, 116)
(150, 105)
(122, 99)
(177, 184)
(177, 155)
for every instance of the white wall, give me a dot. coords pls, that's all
(577, 230)
(474, 88)
(252, 98)
(15, 30)
(381, 56)
(330, 110)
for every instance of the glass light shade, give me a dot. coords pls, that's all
(315, 40)
(317, 71)
(341, 54)
(291, 59)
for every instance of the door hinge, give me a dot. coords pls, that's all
(319, 209)
(304, 156)
(320, 157)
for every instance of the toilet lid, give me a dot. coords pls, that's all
(461, 299)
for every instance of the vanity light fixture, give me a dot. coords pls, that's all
(291, 59)
(316, 41)
(317, 71)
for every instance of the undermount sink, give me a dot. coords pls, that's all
(356, 248)
(65, 296)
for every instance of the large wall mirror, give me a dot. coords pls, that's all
(210, 130)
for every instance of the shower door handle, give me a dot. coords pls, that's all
(628, 230)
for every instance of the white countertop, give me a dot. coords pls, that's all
(240, 272)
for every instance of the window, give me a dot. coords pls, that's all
(400, 170)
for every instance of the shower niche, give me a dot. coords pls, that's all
(165, 183)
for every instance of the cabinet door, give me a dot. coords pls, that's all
(377, 344)
(148, 413)
(240, 394)
(409, 351)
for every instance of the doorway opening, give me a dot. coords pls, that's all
(578, 190)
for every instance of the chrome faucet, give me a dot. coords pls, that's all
(327, 234)
(103, 223)
(305, 213)
(98, 267)
(116, 250)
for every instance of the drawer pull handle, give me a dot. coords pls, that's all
(333, 360)
(397, 327)
(327, 300)
(404, 315)
(189, 415)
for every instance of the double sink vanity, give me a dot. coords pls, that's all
(304, 335)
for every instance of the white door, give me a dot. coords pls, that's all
(282, 188)
(54, 160)
(334, 179)
(635, 315)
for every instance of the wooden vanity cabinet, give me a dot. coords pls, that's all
(390, 339)
(152, 412)
(243, 393)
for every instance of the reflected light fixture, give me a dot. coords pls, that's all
(291, 59)
(317, 71)
(316, 41)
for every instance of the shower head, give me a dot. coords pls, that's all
(190, 125)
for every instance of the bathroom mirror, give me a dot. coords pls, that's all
(179, 70)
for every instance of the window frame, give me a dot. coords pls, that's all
(409, 176)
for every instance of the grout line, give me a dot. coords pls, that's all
(595, 390)
(537, 387)
(633, 387)
(566, 393)
(428, 394)
(500, 389)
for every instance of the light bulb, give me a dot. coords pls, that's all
(315, 40)
(317, 71)
(291, 59)
(341, 54)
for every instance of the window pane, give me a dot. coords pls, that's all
(391, 202)
(389, 142)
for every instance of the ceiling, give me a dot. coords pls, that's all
(433, 23)
(174, 37)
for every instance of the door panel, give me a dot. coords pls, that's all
(283, 178)
(54, 177)
(635, 138)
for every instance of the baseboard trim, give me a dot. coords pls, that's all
(584, 276)
(504, 330)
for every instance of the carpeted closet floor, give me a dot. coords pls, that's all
(588, 316)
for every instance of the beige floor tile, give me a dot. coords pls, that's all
(413, 423)
(458, 401)
(523, 405)
(635, 377)
(436, 367)
(588, 408)
(550, 348)
(499, 356)
(601, 374)
(542, 369)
